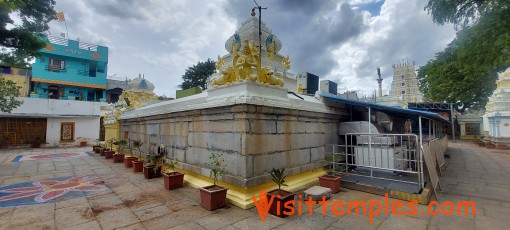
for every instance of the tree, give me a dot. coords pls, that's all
(22, 41)
(466, 71)
(198, 74)
(8, 93)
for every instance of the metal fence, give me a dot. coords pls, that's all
(394, 157)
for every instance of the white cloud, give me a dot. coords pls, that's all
(401, 30)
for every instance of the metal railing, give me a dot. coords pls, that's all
(55, 68)
(394, 157)
(87, 46)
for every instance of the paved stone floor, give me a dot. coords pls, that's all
(132, 202)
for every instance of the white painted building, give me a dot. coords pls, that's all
(53, 121)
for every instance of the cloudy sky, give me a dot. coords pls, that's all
(344, 40)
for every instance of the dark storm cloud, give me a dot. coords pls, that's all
(309, 30)
(124, 9)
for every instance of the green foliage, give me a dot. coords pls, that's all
(112, 142)
(170, 166)
(137, 144)
(122, 144)
(22, 40)
(333, 161)
(8, 93)
(198, 74)
(466, 71)
(217, 164)
(279, 176)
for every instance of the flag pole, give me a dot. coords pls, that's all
(67, 32)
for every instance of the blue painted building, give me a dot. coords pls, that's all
(70, 70)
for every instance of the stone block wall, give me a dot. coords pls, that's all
(253, 139)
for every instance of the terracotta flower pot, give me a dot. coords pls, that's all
(128, 161)
(151, 172)
(173, 180)
(213, 197)
(280, 198)
(118, 158)
(101, 151)
(490, 146)
(481, 144)
(83, 143)
(330, 181)
(137, 166)
(108, 154)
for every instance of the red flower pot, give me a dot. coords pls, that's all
(137, 166)
(96, 148)
(118, 158)
(330, 181)
(128, 161)
(173, 180)
(151, 172)
(101, 151)
(83, 143)
(213, 197)
(278, 205)
(108, 154)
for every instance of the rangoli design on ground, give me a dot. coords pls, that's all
(45, 191)
(19, 158)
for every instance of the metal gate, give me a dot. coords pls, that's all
(394, 157)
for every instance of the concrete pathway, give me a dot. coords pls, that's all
(126, 200)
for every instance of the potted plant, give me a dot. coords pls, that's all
(214, 196)
(138, 164)
(330, 180)
(97, 145)
(109, 153)
(119, 156)
(280, 196)
(83, 141)
(102, 149)
(153, 167)
(37, 143)
(172, 179)
(128, 160)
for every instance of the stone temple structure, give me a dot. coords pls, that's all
(247, 114)
(497, 117)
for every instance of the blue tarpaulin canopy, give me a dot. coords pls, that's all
(336, 101)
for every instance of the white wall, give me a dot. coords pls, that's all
(38, 107)
(87, 128)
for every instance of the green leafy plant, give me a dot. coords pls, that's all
(333, 162)
(137, 144)
(122, 144)
(278, 176)
(8, 93)
(170, 166)
(155, 162)
(217, 164)
(110, 142)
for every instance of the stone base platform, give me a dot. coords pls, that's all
(422, 198)
(243, 197)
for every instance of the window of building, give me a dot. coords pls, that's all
(56, 64)
(403, 92)
(403, 84)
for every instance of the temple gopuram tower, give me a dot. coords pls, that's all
(405, 83)
(497, 117)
